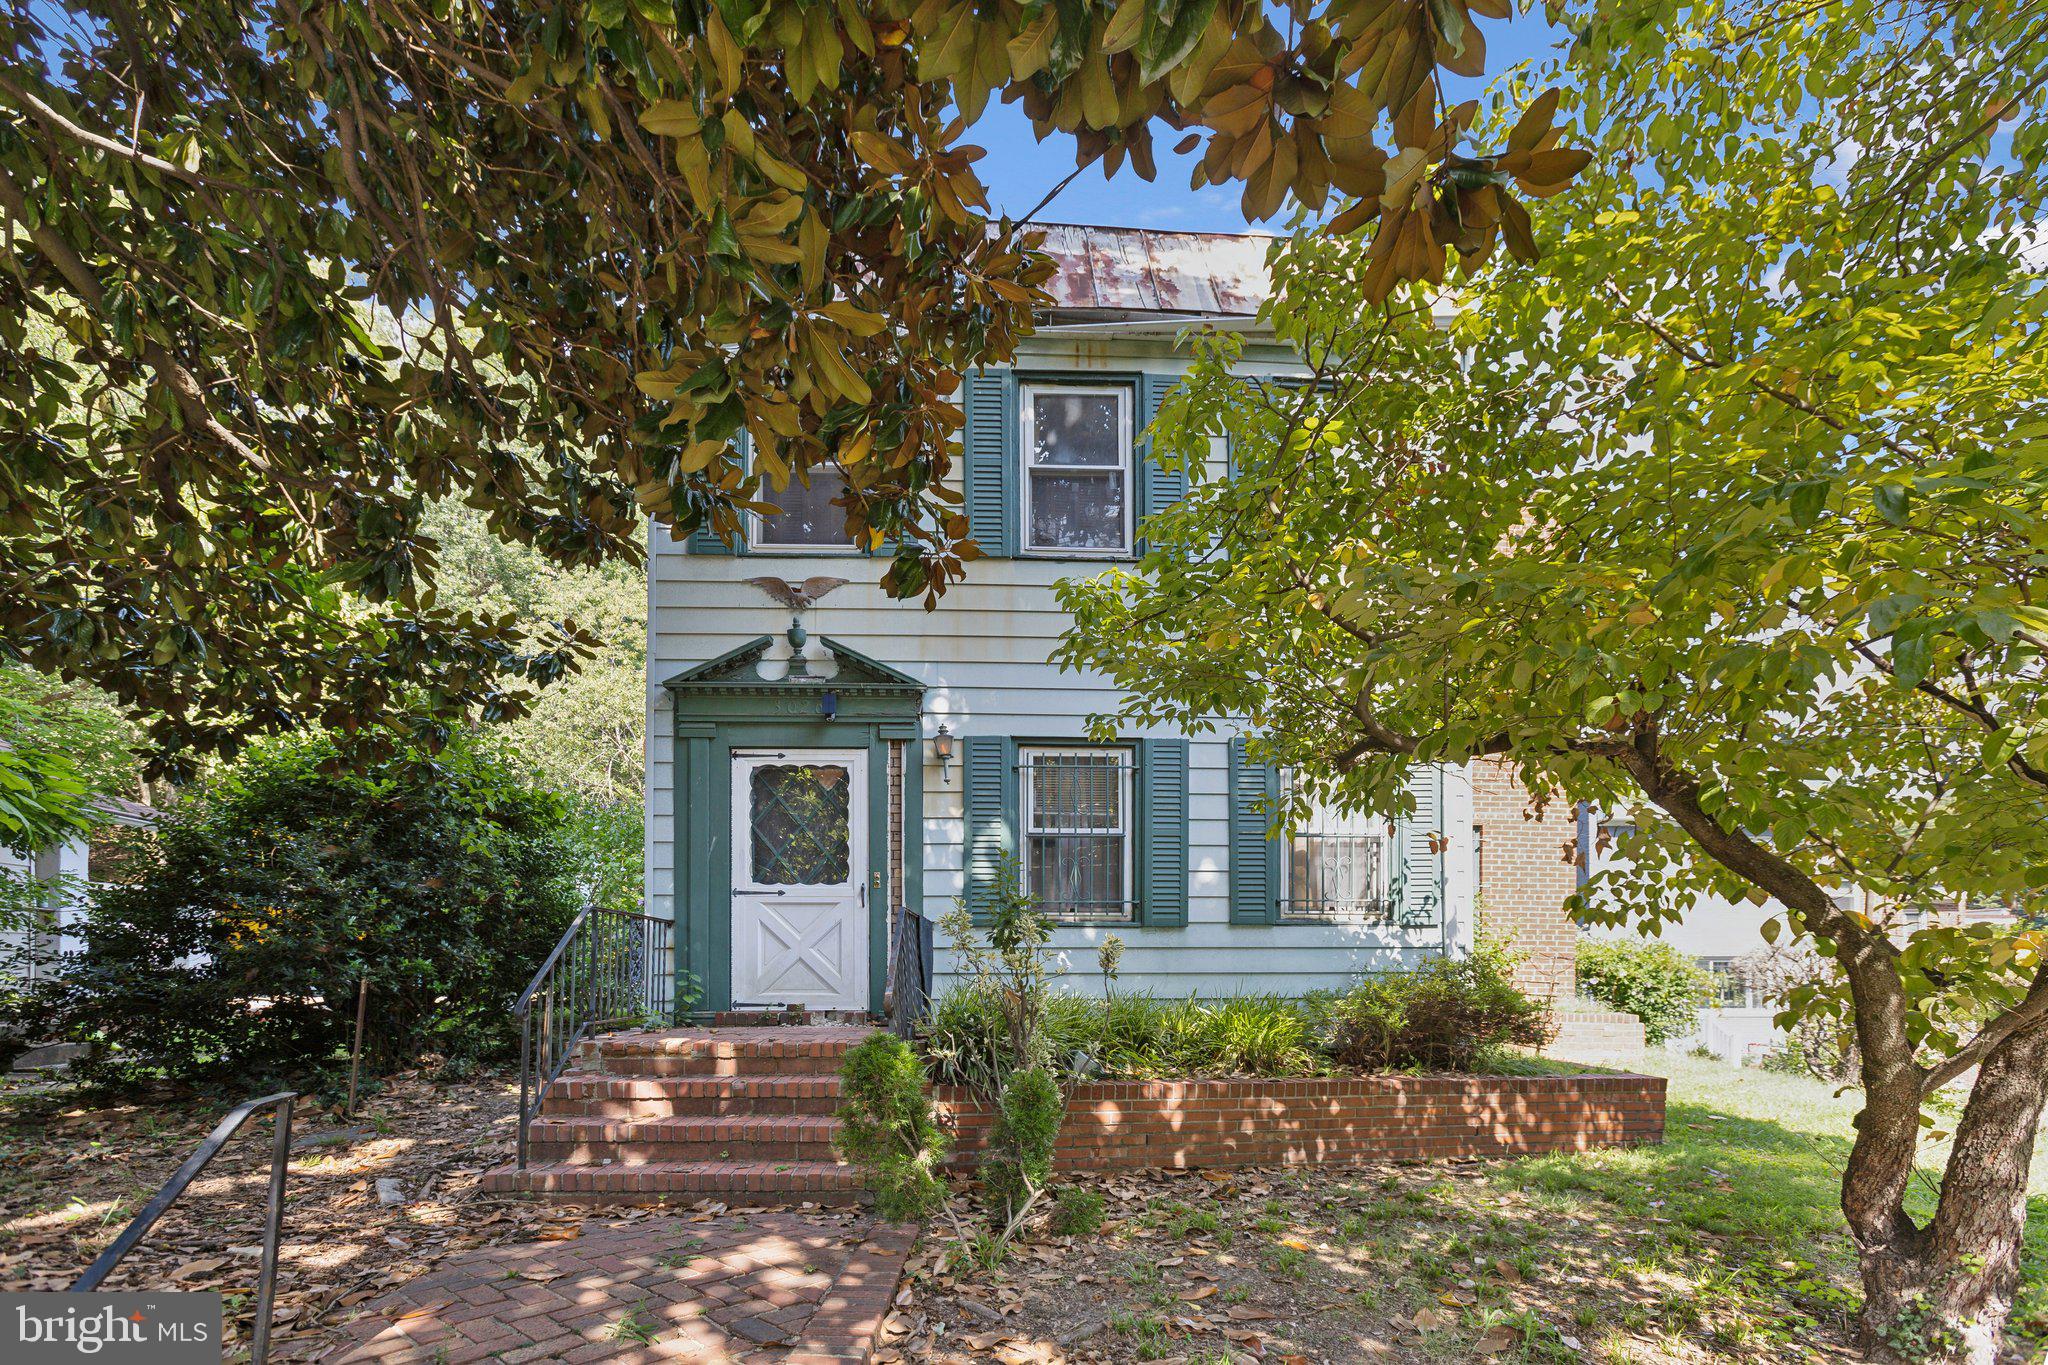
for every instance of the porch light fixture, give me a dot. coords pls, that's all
(828, 705)
(942, 745)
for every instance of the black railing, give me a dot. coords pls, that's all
(610, 970)
(910, 972)
(273, 1219)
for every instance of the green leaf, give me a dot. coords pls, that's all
(1809, 499)
(1167, 42)
(1893, 501)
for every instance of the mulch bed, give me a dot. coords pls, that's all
(1373, 1263)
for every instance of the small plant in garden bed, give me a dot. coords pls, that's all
(1077, 1212)
(888, 1129)
(1462, 1015)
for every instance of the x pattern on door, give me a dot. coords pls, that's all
(799, 958)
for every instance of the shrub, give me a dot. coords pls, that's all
(1017, 1163)
(1441, 1016)
(606, 840)
(1648, 978)
(231, 957)
(887, 1128)
(1003, 964)
(1077, 1212)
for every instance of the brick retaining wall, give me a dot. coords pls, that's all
(1595, 1036)
(1136, 1124)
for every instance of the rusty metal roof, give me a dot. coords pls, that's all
(1144, 270)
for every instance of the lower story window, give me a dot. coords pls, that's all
(1336, 870)
(1731, 989)
(1077, 833)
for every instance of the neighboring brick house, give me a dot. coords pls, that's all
(1527, 861)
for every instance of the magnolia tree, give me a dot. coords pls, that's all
(1731, 510)
(274, 275)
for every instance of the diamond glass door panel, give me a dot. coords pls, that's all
(799, 824)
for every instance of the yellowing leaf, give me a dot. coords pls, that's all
(858, 321)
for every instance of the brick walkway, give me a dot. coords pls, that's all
(787, 1287)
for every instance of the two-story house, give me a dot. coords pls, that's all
(806, 782)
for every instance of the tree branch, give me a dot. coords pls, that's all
(2031, 1012)
(1976, 710)
(48, 116)
(184, 388)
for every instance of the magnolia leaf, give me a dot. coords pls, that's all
(1126, 25)
(1166, 46)
(670, 118)
(1534, 123)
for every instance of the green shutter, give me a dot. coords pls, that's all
(990, 784)
(1417, 882)
(990, 456)
(1254, 854)
(1162, 833)
(703, 541)
(1158, 487)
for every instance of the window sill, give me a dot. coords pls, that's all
(1080, 556)
(804, 552)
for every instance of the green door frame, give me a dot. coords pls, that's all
(723, 705)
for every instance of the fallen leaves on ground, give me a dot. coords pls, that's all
(75, 1170)
(1372, 1263)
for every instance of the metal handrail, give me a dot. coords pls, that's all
(910, 972)
(609, 968)
(280, 1155)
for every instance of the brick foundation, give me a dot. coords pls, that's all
(1527, 867)
(1114, 1125)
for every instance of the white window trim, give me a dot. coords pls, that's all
(1126, 442)
(1127, 758)
(757, 541)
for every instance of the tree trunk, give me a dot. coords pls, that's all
(1943, 1292)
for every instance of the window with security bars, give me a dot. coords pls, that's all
(1077, 833)
(1336, 870)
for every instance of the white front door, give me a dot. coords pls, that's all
(799, 878)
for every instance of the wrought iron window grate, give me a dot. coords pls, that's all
(1337, 879)
(1078, 834)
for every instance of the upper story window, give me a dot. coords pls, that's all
(1077, 469)
(809, 520)
(1077, 833)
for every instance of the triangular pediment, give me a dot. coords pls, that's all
(736, 669)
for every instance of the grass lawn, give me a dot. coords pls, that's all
(1758, 1158)
(1722, 1244)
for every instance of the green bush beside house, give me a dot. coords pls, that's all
(231, 958)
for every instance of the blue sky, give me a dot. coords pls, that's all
(1019, 169)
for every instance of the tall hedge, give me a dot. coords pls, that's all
(232, 957)
(1649, 979)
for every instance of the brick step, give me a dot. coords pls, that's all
(599, 1096)
(639, 1142)
(761, 1182)
(809, 1050)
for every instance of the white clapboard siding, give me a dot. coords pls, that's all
(984, 658)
